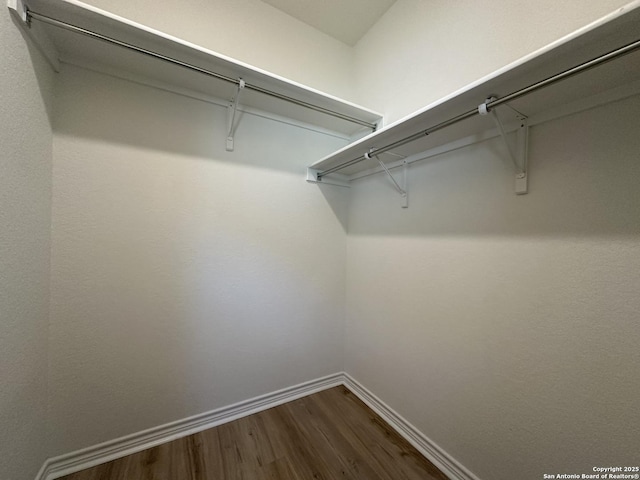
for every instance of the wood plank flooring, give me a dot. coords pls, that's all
(325, 436)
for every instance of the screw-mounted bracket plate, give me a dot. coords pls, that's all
(231, 116)
(522, 157)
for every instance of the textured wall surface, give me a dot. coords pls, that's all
(423, 50)
(506, 327)
(184, 278)
(25, 218)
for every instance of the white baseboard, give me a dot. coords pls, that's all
(441, 459)
(105, 452)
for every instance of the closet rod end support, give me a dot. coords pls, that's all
(20, 10)
(337, 180)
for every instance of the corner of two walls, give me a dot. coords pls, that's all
(184, 278)
(501, 326)
(165, 250)
(26, 83)
(179, 277)
(149, 275)
(504, 327)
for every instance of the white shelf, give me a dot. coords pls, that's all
(609, 33)
(60, 45)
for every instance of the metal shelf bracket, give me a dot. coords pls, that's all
(522, 152)
(519, 157)
(231, 116)
(401, 190)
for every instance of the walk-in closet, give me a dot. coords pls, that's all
(286, 239)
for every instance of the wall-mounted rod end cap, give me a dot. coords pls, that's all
(19, 9)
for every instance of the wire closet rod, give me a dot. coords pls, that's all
(73, 28)
(507, 98)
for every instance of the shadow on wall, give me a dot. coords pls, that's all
(41, 67)
(102, 107)
(184, 277)
(583, 172)
(96, 106)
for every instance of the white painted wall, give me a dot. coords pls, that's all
(250, 31)
(25, 215)
(506, 327)
(423, 50)
(184, 278)
(503, 327)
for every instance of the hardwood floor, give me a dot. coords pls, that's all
(327, 435)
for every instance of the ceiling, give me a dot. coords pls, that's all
(344, 20)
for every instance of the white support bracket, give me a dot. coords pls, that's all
(19, 9)
(522, 154)
(519, 157)
(335, 179)
(231, 116)
(401, 190)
